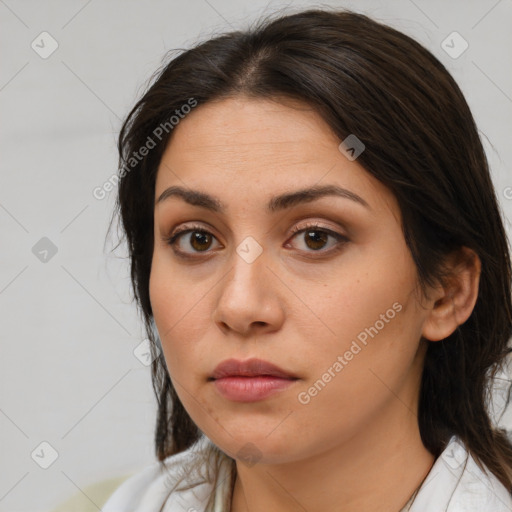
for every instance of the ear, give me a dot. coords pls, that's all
(451, 303)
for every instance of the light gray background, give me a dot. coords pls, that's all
(68, 374)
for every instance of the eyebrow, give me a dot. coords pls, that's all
(276, 203)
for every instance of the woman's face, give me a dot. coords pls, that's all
(334, 305)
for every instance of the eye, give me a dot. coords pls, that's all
(199, 239)
(316, 237)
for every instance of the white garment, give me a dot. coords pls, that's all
(454, 484)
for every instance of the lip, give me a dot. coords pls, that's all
(249, 368)
(250, 380)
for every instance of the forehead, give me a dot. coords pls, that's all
(238, 146)
(238, 127)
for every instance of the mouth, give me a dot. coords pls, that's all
(251, 380)
(249, 368)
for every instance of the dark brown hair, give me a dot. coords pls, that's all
(368, 79)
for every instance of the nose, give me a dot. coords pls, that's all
(249, 298)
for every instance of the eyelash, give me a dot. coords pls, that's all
(341, 240)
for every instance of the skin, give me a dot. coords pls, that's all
(299, 306)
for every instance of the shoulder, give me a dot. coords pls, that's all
(187, 478)
(480, 490)
(456, 483)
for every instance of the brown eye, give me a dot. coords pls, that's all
(198, 239)
(316, 237)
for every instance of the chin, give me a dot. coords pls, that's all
(257, 446)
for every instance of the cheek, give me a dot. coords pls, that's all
(182, 308)
(374, 289)
(374, 324)
(172, 309)
(350, 380)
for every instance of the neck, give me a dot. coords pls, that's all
(354, 476)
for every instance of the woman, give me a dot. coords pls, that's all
(318, 254)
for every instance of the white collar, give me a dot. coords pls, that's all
(457, 484)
